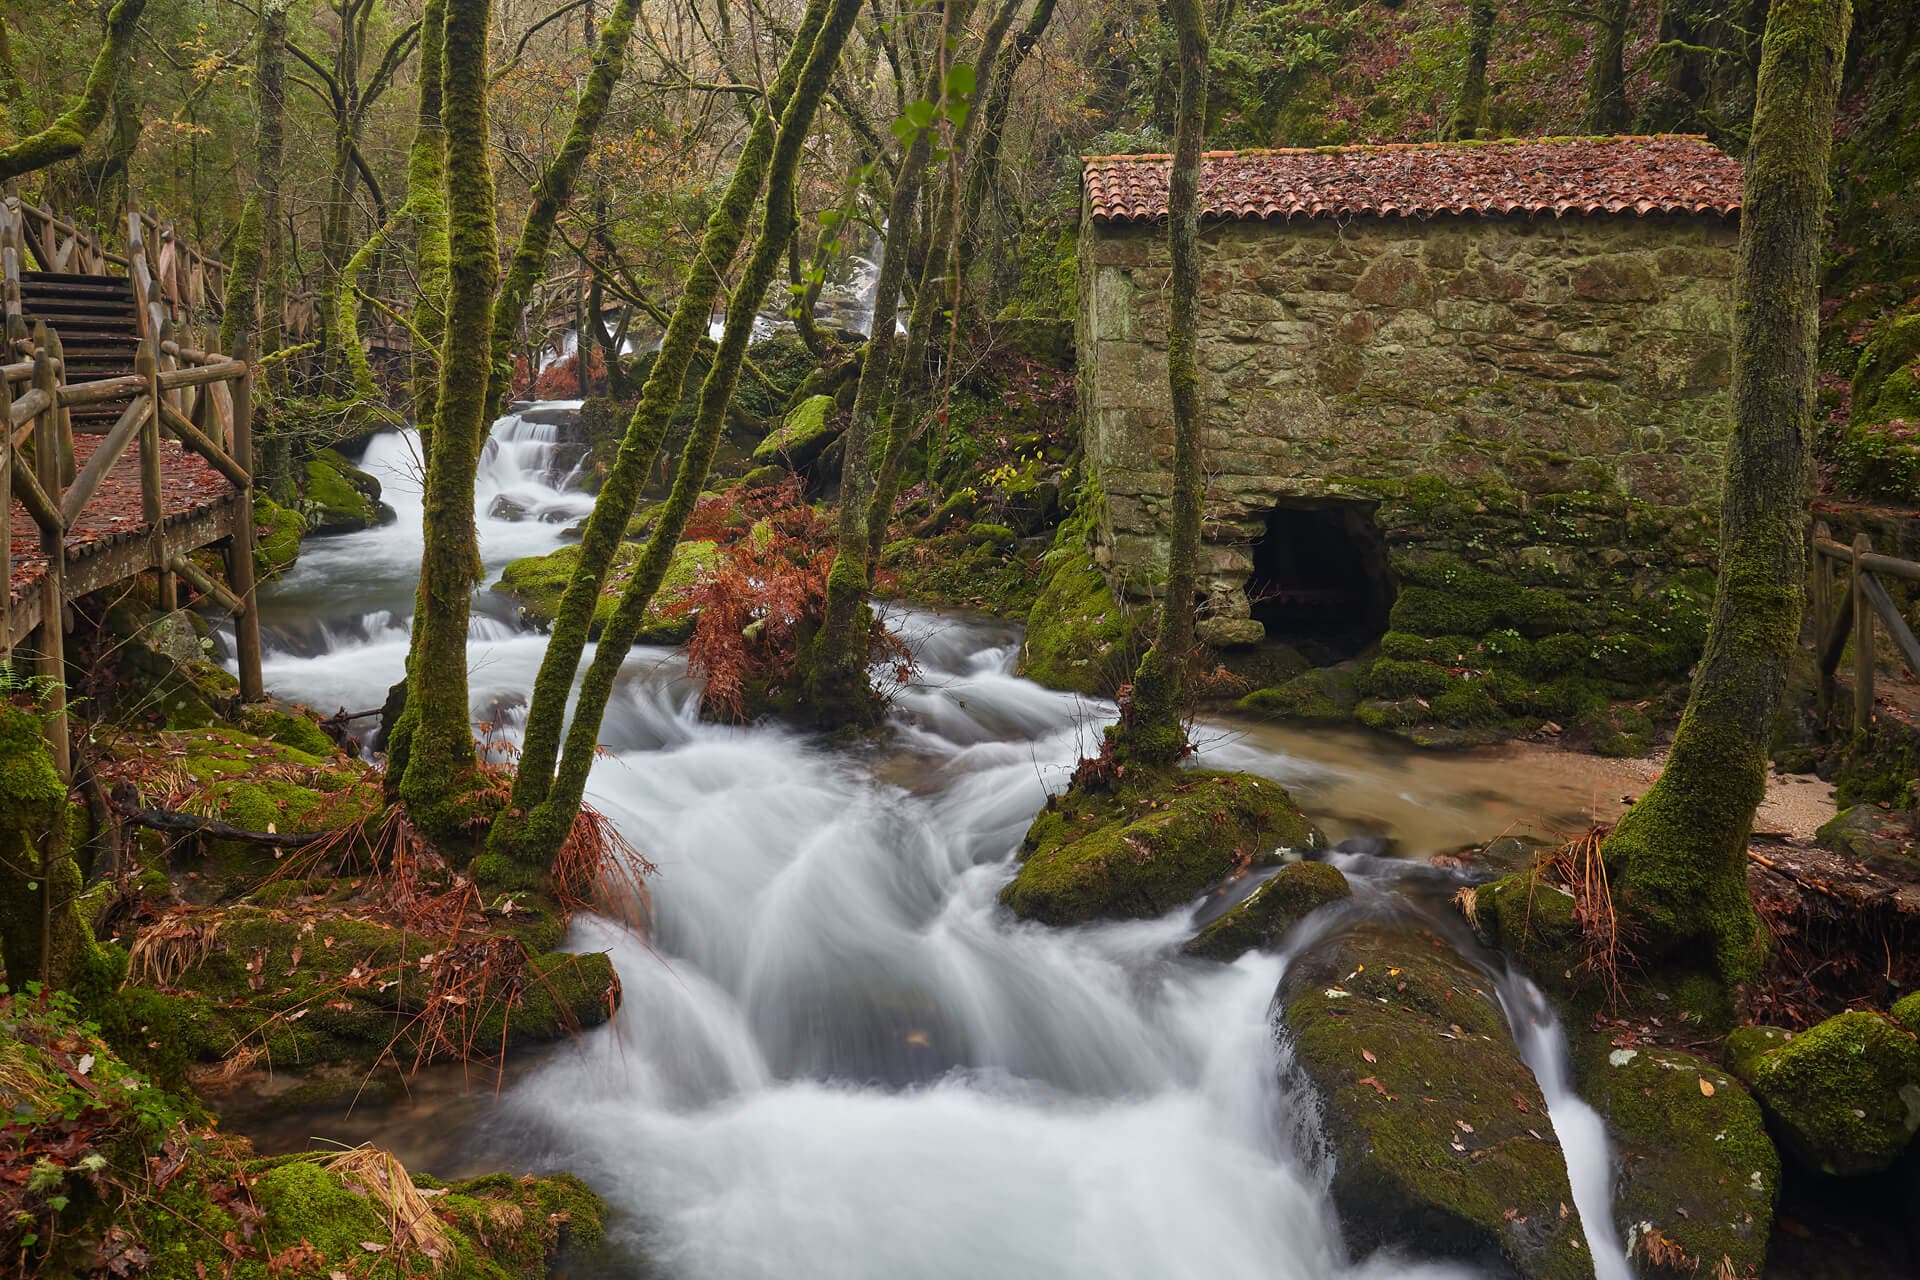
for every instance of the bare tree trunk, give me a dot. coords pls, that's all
(548, 825)
(1151, 732)
(1683, 847)
(440, 754)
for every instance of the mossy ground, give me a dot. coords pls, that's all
(537, 584)
(117, 1169)
(1153, 843)
(1437, 1127)
(982, 568)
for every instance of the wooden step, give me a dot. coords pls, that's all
(29, 278)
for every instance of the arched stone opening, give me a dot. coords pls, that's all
(1320, 579)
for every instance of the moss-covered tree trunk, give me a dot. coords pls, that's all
(551, 194)
(835, 673)
(646, 429)
(440, 754)
(67, 134)
(1606, 107)
(242, 309)
(42, 935)
(1469, 118)
(272, 268)
(1682, 849)
(1151, 733)
(547, 825)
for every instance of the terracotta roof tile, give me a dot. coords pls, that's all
(1666, 173)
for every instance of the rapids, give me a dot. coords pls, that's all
(836, 1055)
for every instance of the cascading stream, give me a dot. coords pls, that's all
(836, 1055)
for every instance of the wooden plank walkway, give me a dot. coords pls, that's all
(110, 541)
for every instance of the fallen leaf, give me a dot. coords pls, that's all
(1368, 1055)
(1377, 1086)
(372, 1246)
(85, 1064)
(1706, 1087)
(1464, 1126)
(1519, 1102)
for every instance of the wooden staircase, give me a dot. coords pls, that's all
(99, 328)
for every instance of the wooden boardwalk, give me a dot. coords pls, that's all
(110, 540)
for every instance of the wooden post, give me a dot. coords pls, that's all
(1822, 609)
(246, 624)
(63, 417)
(152, 506)
(6, 524)
(1862, 640)
(53, 545)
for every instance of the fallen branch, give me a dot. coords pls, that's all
(192, 824)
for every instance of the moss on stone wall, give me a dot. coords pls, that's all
(1079, 636)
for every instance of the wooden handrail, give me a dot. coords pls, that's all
(1852, 616)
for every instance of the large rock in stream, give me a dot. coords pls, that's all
(1150, 845)
(1438, 1132)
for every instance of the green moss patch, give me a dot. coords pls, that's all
(1844, 1096)
(1079, 637)
(802, 436)
(1695, 1166)
(538, 583)
(980, 568)
(338, 497)
(1284, 900)
(276, 537)
(1438, 1131)
(1154, 844)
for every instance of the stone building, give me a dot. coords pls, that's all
(1452, 391)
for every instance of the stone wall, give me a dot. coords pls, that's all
(1541, 398)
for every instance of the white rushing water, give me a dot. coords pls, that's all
(836, 1055)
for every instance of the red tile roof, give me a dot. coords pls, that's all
(1666, 173)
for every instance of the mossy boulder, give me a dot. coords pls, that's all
(1906, 1012)
(288, 724)
(1324, 695)
(1532, 920)
(153, 689)
(1153, 844)
(277, 531)
(1286, 898)
(1695, 1167)
(537, 584)
(1079, 637)
(802, 436)
(1437, 1129)
(1843, 1096)
(338, 497)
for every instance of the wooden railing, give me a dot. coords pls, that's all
(1844, 609)
(37, 467)
(185, 286)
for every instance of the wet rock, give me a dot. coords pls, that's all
(1695, 1167)
(1323, 695)
(1867, 832)
(338, 497)
(1079, 638)
(803, 436)
(537, 583)
(507, 507)
(1230, 633)
(1152, 845)
(1438, 1131)
(1288, 897)
(1843, 1096)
